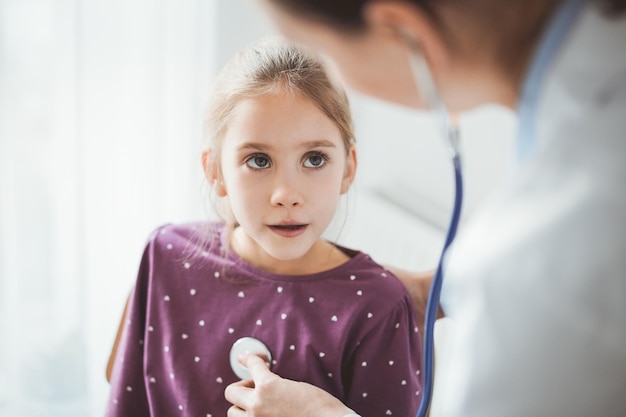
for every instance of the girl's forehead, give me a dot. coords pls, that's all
(280, 121)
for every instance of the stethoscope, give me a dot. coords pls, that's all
(426, 86)
(244, 346)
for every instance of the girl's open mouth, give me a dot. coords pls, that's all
(289, 230)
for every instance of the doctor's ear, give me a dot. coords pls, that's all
(411, 25)
(213, 173)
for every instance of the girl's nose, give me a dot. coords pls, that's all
(285, 195)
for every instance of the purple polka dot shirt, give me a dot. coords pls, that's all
(349, 330)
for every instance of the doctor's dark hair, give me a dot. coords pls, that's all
(347, 14)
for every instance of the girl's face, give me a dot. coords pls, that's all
(283, 167)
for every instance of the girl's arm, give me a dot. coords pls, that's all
(128, 396)
(418, 284)
(383, 376)
(116, 342)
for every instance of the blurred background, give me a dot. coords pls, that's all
(101, 106)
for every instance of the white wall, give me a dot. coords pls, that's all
(405, 164)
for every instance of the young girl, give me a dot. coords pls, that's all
(280, 155)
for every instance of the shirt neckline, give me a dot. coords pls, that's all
(354, 258)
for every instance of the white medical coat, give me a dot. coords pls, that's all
(536, 282)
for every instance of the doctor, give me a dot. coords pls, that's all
(536, 282)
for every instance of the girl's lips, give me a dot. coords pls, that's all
(289, 230)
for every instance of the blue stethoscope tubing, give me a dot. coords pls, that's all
(434, 295)
(426, 86)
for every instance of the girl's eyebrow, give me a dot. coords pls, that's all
(254, 146)
(318, 144)
(262, 147)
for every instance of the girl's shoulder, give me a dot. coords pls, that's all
(362, 269)
(195, 239)
(369, 291)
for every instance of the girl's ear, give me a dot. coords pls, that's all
(212, 172)
(350, 171)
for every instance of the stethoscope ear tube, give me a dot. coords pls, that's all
(426, 87)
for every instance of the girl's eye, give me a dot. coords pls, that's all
(315, 160)
(258, 162)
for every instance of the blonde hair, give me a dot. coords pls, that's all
(274, 66)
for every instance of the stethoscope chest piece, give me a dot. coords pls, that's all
(247, 345)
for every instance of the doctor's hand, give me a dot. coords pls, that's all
(268, 395)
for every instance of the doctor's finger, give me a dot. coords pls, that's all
(235, 411)
(239, 394)
(258, 368)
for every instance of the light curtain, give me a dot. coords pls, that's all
(100, 125)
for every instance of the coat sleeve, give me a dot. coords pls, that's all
(128, 385)
(382, 378)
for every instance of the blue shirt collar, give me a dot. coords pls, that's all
(551, 41)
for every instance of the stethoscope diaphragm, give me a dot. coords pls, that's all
(243, 346)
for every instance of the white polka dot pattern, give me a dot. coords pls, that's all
(309, 324)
